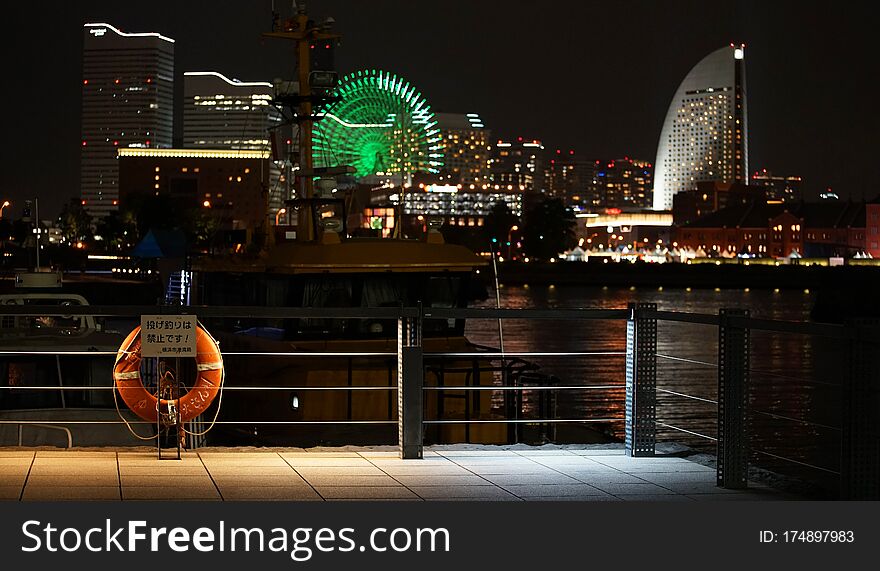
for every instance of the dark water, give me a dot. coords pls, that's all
(795, 379)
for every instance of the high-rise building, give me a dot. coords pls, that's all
(567, 177)
(466, 147)
(127, 101)
(223, 113)
(621, 183)
(778, 188)
(517, 166)
(704, 136)
(227, 114)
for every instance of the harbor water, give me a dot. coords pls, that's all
(795, 379)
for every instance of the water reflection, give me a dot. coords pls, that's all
(795, 378)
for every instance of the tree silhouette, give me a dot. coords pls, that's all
(549, 229)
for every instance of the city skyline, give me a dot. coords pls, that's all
(599, 115)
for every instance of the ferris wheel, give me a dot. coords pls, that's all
(380, 125)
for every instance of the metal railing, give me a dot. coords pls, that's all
(859, 468)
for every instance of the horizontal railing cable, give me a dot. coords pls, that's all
(687, 396)
(663, 424)
(524, 421)
(793, 461)
(522, 387)
(792, 419)
(686, 360)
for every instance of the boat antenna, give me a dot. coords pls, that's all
(498, 306)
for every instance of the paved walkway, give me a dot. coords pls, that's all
(446, 473)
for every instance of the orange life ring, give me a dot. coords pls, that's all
(127, 375)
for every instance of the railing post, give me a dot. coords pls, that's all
(641, 380)
(733, 401)
(860, 445)
(410, 387)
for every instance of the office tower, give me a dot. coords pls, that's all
(223, 113)
(127, 101)
(466, 145)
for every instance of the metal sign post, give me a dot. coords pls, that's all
(163, 336)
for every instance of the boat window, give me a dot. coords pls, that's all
(443, 291)
(326, 292)
(48, 324)
(381, 292)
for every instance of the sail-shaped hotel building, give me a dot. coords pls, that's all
(705, 135)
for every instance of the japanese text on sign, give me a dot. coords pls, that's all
(168, 335)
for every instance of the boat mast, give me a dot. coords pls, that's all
(305, 33)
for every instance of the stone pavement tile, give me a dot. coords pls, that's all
(494, 461)
(14, 468)
(678, 477)
(76, 453)
(334, 480)
(696, 488)
(597, 498)
(488, 469)
(349, 454)
(553, 490)
(477, 453)
(599, 452)
(569, 460)
(73, 471)
(256, 481)
(543, 452)
(265, 493)
(328, 461)
(634, 465)
(605, 477)
(437, 470)
(153, 461)
(250, 470)
(161, 469)
(15, 465)
(426, 460)
(383, 454)
(364, 492)
(742, 497)
(60, 480)
(152, 481)
(214, 460)
(441, 480)
(632, 489)
(530, 479)
(461, 492)
(171, 493)
(653, 498)
(339, 471)
(12, 479)
(150, 454)
(509, 498)
(8, 453)
(61, 493)
(10, 492)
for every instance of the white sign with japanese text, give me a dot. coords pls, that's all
(168, 335)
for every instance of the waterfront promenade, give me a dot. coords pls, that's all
(474, 473)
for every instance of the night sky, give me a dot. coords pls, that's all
(596, 77)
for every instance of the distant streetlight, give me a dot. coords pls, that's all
(279, 213)
(4, 205)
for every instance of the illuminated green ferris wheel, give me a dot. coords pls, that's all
(381, 125)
